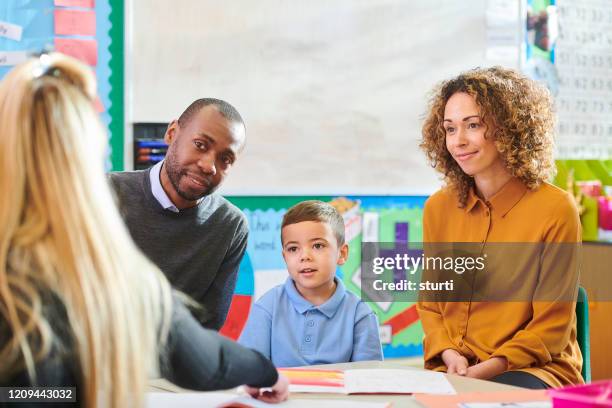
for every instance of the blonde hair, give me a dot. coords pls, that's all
(519, 115)
(62, 236)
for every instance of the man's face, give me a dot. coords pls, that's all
(200, 154)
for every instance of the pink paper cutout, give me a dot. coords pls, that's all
(83, 50)
(75, 22)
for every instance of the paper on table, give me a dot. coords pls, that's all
(452, 401)
(316, 389)
(390, 381)
(75, 22)
(226, 400)
(187, 400)
(314, 380)
(203, 399)
(332, 403)
(367, 381)
(526, 404)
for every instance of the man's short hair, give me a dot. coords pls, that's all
(225, 109)
(318, 211)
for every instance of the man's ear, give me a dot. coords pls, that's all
(343, 254)
(171, 132)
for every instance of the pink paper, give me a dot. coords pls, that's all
(452, 401)
(75, 22)
(83, 50)
(98, 105)
(75, 3)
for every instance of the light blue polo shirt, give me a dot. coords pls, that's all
(291, 331)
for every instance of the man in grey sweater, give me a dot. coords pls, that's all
(195, 236)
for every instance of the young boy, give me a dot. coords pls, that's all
(312, 318)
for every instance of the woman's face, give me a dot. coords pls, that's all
(465, 137)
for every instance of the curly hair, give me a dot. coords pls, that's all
(519, 116)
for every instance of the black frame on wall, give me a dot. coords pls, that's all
(149, 145)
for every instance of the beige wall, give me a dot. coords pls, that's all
(332, 91)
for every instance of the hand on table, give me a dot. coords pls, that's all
(458, 365)
(488, 369)
(279, 392)
(455, 362)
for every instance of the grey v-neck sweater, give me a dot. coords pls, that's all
(199, 249)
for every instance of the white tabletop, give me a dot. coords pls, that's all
(461, 385)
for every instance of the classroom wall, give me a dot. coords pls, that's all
(332, 92)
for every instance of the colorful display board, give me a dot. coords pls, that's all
(89, 30)
(374, 218)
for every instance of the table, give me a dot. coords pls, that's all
(461, 384)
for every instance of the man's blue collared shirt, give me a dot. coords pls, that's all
(292, 332)
(157, 189)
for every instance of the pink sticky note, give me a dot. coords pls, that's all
(84, 50)
(75, 22)
(98, 105)
(75, 3)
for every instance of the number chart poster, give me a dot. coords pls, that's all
(569, 47)
(372, 218)
(583, 57)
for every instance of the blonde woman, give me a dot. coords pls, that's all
(79, 304)
(490, 133)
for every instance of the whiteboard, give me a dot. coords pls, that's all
(332, 92)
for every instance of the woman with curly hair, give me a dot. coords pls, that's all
(490, 133)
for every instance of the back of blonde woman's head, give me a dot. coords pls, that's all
(62, 238)
(519, 116)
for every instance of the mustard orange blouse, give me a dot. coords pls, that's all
(534, 336)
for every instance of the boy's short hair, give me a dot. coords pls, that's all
(318, 211)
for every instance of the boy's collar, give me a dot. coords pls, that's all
(328, 308)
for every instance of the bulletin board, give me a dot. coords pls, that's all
(89, 30)
(569, 48)
(398, 220)
(332, 92)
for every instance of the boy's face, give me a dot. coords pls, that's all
(311, 253)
